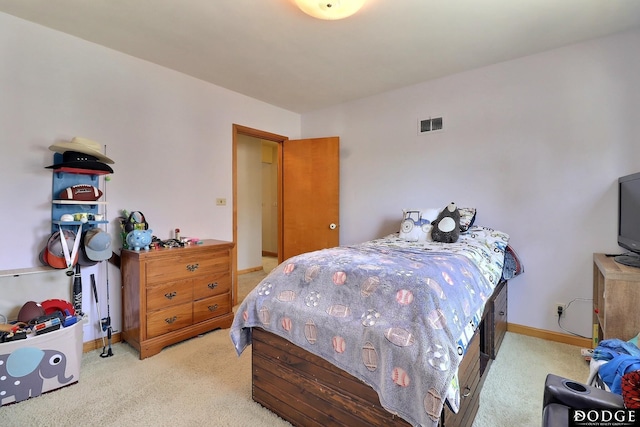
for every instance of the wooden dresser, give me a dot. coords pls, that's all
(171, 294)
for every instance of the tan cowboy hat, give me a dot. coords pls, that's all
(81, 145)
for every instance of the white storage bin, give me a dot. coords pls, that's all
(41, 363)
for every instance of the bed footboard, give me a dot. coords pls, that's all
(306, 390)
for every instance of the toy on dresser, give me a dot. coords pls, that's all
(139, 239)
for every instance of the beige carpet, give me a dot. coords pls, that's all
(248, 281)
(201, 382)
(512, 392)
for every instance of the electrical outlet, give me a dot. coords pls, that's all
(559, 307)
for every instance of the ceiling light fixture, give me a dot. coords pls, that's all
(330, 9)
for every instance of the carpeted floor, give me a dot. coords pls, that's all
(248, 281)
(512, 392)
(202, 382)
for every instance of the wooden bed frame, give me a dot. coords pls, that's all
(306, 390)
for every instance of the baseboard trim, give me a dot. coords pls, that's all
(250, 270)
(97, 343)
(511, 327)
(549, 335)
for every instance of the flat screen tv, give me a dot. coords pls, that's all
(629, 219)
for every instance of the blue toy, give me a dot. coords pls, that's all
(138, 239)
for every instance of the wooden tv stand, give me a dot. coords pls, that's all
(616, 298)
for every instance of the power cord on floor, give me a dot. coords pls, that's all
(562, 311)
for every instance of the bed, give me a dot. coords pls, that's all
(391, 331)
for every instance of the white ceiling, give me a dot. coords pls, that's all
(270, 50)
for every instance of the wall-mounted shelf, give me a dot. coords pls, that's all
(67, 177)
(77, 202)
(81, 171)
(23, 271)
(58, 222)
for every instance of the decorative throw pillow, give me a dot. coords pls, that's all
(512, 264)
(630, 385)
(467, 217)
(416, 224)
(446, 228)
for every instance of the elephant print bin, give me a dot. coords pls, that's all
(40, 363)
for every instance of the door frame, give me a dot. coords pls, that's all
(255, 133)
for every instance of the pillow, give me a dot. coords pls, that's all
(512, 264)
(446, 228)
(467, 217)
(630, 385)
(416, 224)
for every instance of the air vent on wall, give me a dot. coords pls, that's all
(430, 125)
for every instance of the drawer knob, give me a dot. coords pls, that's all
(170, 295)
(170, 320)
(467, 392)
(192, 267)
(213, 307)
(212, 285)
(501, 313)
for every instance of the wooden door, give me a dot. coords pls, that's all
(310, 195)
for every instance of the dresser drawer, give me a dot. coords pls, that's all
(500, 319)
(211, 285)
(468, 371)
(501, 297)
(209, 308)
(469, 380)
(169, 294)
(186, 266)
(494, 325)
(169, 319)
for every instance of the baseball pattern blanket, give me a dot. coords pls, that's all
(395, 314)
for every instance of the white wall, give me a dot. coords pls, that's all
(170, 136)
(535, 144)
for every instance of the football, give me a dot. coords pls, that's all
(29, 311)
(81, 192)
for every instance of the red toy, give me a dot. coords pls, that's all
(50, 306)
(81, 192)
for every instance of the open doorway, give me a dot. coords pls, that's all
(308, 195)
(256, 202)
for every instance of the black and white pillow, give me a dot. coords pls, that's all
(467, 218)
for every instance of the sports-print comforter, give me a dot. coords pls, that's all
(395, 314)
